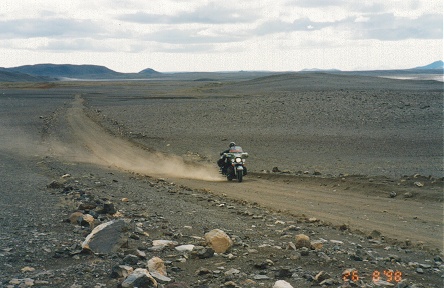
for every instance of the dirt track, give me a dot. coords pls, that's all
(362, 204)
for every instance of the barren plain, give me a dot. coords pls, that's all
(354, 162)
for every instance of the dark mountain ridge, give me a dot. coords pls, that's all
(63, 70)
(53, 72)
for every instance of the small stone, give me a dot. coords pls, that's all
(419, 270)
(108, 208)
(302, 240)
(160, 277)
(283, 273)
(74, 217)
(139, 278)
(202, 271)
(261, 277)
(177, 285)
(120, 271)
(232, 271)
(327, 282)
(156, 264)
(27, 269)
(408, 195)
(218, 240)
(55, 185)
(419, 184)
(159, 245)
(130, 260)
(185, 248)
(324, 256)
(202, 252)
(140, 254)
(316, 245)
(230, 284)
(375, 235)
(15, 281)
(321, 276)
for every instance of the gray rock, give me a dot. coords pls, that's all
(261, 277)
(55, 185)
(139, 278)
(130, 259)
(202, 252)
(108, 208)
(177, 285)
(120, 271)
(107, 238)
(419, 270)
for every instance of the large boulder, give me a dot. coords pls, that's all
(107, 238)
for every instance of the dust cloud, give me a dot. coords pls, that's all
(91, 143)
(17, 141)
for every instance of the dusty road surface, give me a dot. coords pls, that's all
(374, 205)
(359, 202)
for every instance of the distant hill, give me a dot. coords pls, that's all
(64, 70)
(10, 76)
(149, 72)
(435, 65)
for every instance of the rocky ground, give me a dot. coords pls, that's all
(52, 198)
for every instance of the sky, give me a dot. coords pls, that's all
(230, 35)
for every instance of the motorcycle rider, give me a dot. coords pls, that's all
(222, 161)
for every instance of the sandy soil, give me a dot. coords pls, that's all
(367, 139)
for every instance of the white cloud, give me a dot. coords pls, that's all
(221, 34)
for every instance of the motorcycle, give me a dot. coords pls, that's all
(233, 164)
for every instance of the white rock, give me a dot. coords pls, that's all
(185, 248)
(161, 244)
(282, 284)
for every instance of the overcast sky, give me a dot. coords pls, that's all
(228, 35)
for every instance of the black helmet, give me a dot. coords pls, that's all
(232, 144)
